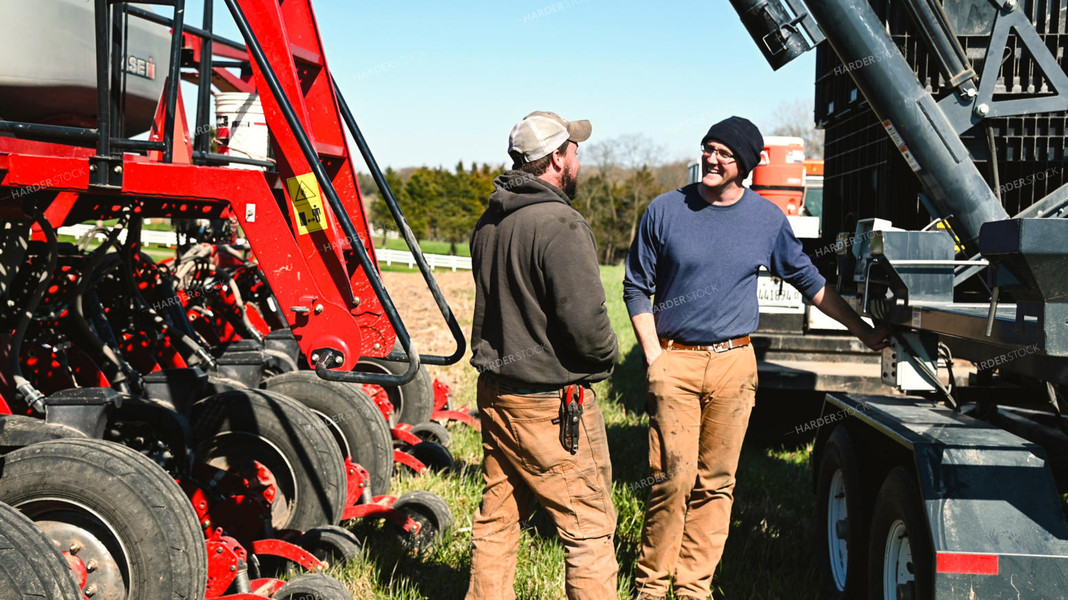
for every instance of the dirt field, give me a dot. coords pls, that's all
(425, 323)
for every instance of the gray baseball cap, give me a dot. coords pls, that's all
(541, 132)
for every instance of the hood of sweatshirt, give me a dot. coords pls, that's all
(516, 189)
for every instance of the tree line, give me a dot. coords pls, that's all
(618, 180)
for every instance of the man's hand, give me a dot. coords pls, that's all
(652, 355)
(645, 331)
(876, 338)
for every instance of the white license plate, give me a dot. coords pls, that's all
(775, 295)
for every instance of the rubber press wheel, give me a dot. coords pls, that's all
(30, 564)
(900, 553)
(314, 586)
(413, 402)
(241, 429)
(843, 518)
(351, 418)
(431, 512)
(107, 504)
(331, 543)
(432, 431)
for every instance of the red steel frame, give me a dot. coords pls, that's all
(327, 298)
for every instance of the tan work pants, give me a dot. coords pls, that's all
(524, 461)
(699, 406)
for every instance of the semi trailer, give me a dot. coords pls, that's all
(944, 204)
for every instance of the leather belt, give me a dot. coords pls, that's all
(723, 346)
(509, 386)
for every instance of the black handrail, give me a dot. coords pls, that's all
(409, 238)
(327, 356)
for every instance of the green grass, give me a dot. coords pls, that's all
(769, 555)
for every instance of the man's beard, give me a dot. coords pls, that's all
(569, 184)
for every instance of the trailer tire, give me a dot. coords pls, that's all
(840, 486)
(30, 564)
(435, 456)
(237, 427)
(900, 551)
(413, 402)
(351, 418)
(119, 507)
(313, 586)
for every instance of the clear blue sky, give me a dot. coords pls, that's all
(434, 82)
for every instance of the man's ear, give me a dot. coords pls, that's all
(557, 160)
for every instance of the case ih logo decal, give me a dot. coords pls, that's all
(141, 67)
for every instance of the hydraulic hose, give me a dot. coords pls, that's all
(33, 397)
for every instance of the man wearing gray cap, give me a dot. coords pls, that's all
(540, 337)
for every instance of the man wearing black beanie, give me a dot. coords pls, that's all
(698, 250)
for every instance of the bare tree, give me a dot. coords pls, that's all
(794, 118)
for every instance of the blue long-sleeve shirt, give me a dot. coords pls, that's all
(700, 261)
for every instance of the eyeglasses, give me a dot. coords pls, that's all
(722, 155)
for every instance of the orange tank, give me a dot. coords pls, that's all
(780, 176)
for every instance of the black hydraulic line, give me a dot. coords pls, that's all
(200, 33)
(222, 159)
(103, 100)
(173, 79)
(33, 397)
(128, 144)
(409, 238)
(933, 24)
(118, 75)
(202, 139)
(326, 357)
(58, 132)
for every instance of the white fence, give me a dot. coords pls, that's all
(170, 239)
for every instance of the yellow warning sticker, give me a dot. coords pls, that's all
(307, 203)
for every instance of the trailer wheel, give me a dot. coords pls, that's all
(843, 518)
(239, 428)
(30, 564)
(350, 416)
(900, 554)
(313, 586)
(413, 402)
(431, 512)
(435, 456)
(106, 503)
(331, 543)
(432, 431)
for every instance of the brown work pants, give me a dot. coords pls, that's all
(699, 406)
(523, 461)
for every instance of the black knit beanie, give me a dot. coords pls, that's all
(742, 137)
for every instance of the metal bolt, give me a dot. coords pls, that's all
(982, 110)
(339, 360)
(315, 358)
(91, 590)
(92, 168)
(218, 550)
(207, 523)
(75, 548)
(117, 169)
(1010, 4)
(377, 346)
(233, 568)
(355, 301)
(91, 565)
(318, 308)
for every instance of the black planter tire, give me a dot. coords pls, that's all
(351, 418)
(31, 566)
(413, 402)
(840, 486)
(120, 508)
(432, 431)
(313, 586)
(898, 531)
(333, 544)
(434, 456)
(236, 427)
(431, 512)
